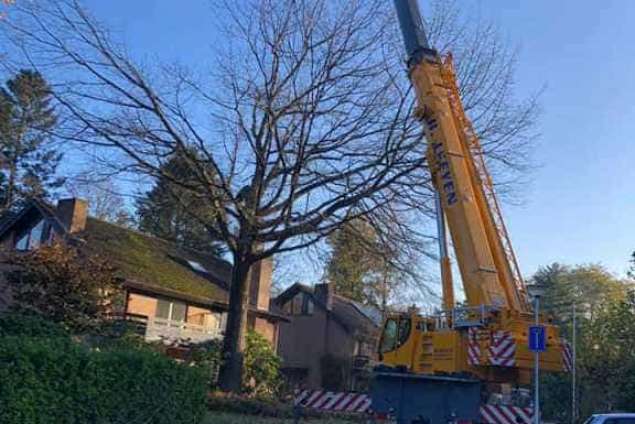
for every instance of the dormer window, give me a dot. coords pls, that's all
(301, 304)
(196, 266)
(33, 237)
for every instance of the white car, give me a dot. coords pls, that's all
(614, 418)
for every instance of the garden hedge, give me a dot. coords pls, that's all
(56, 380)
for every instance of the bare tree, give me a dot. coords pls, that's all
(305, 123)
(104, 198)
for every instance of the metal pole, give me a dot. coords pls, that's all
(537, 368)
(574, 409)
(444, 259)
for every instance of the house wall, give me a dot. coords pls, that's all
(268, 330)
(305, 340)
(142, 304)
(139, 304)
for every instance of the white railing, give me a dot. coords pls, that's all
(169, 330)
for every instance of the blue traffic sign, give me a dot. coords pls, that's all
(537, 338)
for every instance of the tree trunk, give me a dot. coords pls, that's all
(230, 377)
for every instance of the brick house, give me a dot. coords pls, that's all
(177, 294)
(329, 341)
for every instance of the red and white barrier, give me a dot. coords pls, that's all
(473, 347)
(333, 401)
(502, 350)
(567, 356)
(504, 414)
(360, 402)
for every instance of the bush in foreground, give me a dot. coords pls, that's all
(55, 380)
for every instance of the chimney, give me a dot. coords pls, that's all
(260, 284)
(72, 213)
(324, 293)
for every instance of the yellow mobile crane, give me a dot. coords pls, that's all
(488, 338)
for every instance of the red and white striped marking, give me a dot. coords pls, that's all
(333, 401)
(473, 348)
(502, 350)
(567, 356)
(505, 414)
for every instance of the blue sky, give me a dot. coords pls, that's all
(580, 205)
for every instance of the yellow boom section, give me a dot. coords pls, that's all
(486, 260)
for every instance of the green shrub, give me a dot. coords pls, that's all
(261, 372)
(144, 386)
(207, 356)
(64, 285)
(29, 325)
(55, 380)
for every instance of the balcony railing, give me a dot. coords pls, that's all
(179, 331)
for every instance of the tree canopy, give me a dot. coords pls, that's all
(27, 121)
(605, 326)
(178, 214)
(590, 287)
(360, 266)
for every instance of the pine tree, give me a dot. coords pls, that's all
(174, 212)
(359, 265)
(29, 161)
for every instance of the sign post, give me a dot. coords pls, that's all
(537, 338)
(537, 344)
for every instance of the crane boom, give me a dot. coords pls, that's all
(488, 266)
(488, 338)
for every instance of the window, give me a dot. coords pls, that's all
(178, 311)
(297, 304)
(308, 310)
(33, 237)
(396, 333)
(36, 235)
(301, 304)
(389, 336)
(169, 310)
(196, 266)
(23, 242)
(404, 331)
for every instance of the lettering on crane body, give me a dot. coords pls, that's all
(447, 183)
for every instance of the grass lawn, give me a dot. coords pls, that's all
(224, 418)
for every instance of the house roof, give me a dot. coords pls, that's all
(147, 263)
(11, 218)
(153, 262)
(352, 316)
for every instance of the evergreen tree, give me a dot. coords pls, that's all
(359, 265)
(29, 160)
(173, 211)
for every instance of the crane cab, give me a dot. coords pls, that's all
(422, 344)
(484, 342)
